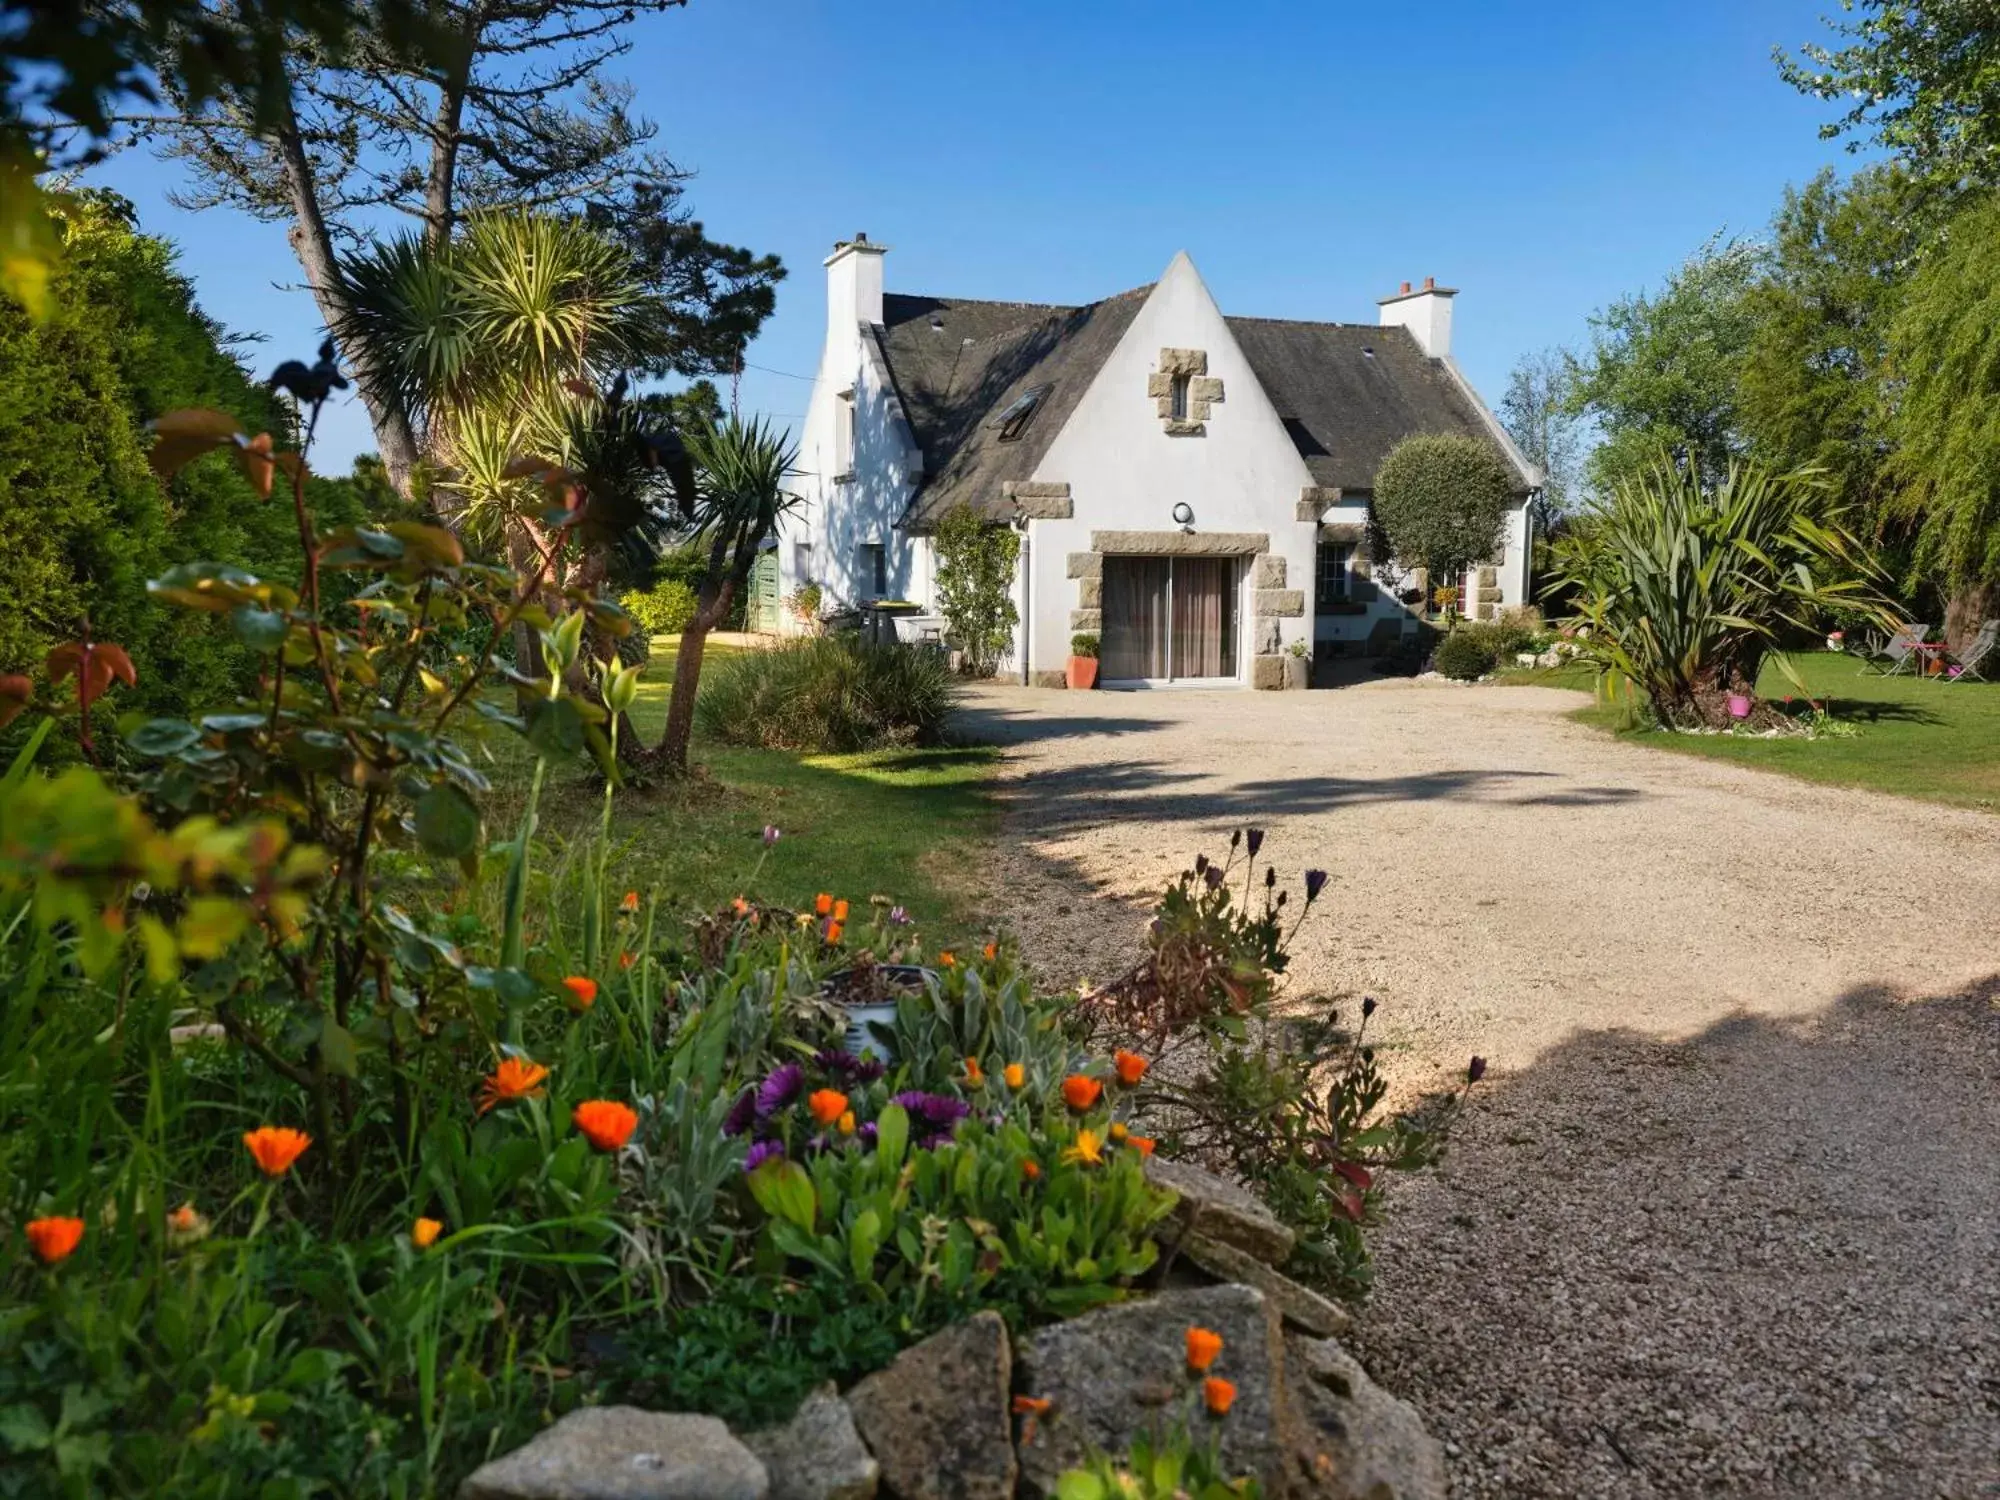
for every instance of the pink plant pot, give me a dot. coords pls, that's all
(1739, 706)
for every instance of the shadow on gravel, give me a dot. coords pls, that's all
(1119, 790)
(1757, 1262)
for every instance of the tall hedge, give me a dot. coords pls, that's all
(83, 522)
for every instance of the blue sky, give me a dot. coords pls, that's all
(1543, 156)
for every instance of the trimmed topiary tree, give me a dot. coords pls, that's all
(1440, 500)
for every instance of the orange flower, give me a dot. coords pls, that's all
(1015, 1074)
(840, 911)
(424, 1233)
(629, 904)
(845, 1124)
(515, 1078)
(974, 1074)
(1130, 1065)
(1118, 1132)
(53, 1239)
(1032, 1406)
(948, 959)
(827, 1105)
(627, 959)
(605, 1123)
(186, 1226)
(1143, 1144)
(1031, 1169)
(992, 951)
(823, 904)
(833, 932)
(740, 907)
(183, 1219)
(1218, 1395)
(1203, 1344)
(276, 1147)
(1080, 1091)
(583, 992)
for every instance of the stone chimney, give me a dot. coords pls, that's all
(1426, 312)
(854, 285)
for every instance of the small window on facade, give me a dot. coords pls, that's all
(1019, 413)
(802, 561)
(843, 435)
(874, 570)
(1178, 407)
(1330, 585)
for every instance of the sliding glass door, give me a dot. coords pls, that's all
(1169, 618)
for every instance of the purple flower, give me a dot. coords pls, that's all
(1201, 864)
(1213, 875)
(933, 1116)
(866, 1135)
(868, 1069)
(898, 917)
(1254, 837)
(779, 1089)
(1315, 883)
(762, 1152)
(1270, 876)
(1367, 1006)
(742, 1114)
(771, 835)
(1477, 1071)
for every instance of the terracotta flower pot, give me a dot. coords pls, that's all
(1082, 673)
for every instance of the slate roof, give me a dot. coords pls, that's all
(1347, 392)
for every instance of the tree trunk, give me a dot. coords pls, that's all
(672, 755)
(312, 243)
(440, 203)
(1971, 606)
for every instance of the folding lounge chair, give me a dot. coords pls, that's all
(1979, 652)
(1898, 653)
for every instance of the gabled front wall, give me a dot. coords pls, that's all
(1126, 472)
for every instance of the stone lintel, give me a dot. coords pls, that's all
(1344, 533)
(1316, 499)
(1180, 543)
(1183, 361)
(1279, 603)
(1086, 565)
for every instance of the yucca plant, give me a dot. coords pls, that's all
(1683, 590)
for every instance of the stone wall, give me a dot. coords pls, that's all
(973, 1413)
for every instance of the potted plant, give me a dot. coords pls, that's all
(1082, 661)
(1298, 667)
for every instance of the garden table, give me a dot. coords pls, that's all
(1932, 655)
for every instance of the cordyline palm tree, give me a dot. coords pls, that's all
(740, 473)
(1683, 591)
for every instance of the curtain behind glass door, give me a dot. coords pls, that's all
(1136, 618)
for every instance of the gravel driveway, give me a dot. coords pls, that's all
(1726, 1218)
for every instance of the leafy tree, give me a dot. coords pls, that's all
(1538, 416)
(975, 581)
(742, 468)
(1947, 417)
(1920, 78)
(1663, 371)
(1812, 390)
(523, 117)
(1440, 499)
(86, 524)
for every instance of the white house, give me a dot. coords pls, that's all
(1191, 487)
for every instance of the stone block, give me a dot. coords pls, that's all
(1180, 543)
(1183, 362)
(1205, 388)
(1089, 593)
(1352, 1439)
(1343, 533)
(1287, 604)
(1268, 571)
(1049, 679)
(1215, 1206)
(1087, 619)
(623, 1451)
(1086, 565)
(1175, 428)
(1488, 577)
(1267, 673)
(1266, 638)
(1299, 1306)
(817, 1455)
(1036, 500)
(937, 1419)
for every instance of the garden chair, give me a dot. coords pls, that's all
(1898, 653)
(1977, 653)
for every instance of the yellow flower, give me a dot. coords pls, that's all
(1118, 1132)
(1088, 1150)
(845, 1125)
(424, 1233)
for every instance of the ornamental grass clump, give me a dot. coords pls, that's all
(831, 694)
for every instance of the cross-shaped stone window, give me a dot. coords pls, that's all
(1183, 391)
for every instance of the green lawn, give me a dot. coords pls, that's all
(906, 824)
(1917, 738)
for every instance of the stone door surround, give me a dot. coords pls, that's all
(1270, 600)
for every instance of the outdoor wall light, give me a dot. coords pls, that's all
(1184, 516)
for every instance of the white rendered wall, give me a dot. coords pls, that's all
(1126, 474)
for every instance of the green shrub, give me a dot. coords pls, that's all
(1467, 654)
(1440, 499)
(663, 609)
(828, 694)
(1084, 644)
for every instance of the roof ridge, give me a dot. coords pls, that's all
(1307, 322)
